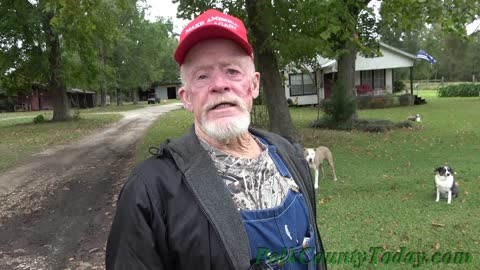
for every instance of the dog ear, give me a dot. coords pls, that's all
(451, 170)
(437, 169)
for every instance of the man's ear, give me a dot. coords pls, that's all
(185, 97)
(256, 85)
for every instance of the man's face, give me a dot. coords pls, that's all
(220, 85)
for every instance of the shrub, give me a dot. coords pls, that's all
(342, 106)
(76, 115)
(459, 90)
(39, 119)
(398, 86)
(405, 99)
(375, 102)
(367, 125)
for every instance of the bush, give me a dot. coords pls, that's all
(39, 119)
(375, 102)
(459, 90)
(342, 106)
(367, 125)
(398, 86)
(405, 99)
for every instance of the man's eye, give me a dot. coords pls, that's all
(233, 72)
(201, 77)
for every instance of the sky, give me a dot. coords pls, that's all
(165, 8)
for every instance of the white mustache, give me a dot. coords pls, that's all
(226, 99)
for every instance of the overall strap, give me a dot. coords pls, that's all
(272, 152)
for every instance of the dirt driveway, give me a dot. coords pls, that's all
(56, 209)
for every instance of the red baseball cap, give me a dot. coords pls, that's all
(208, 25)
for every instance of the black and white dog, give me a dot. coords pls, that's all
(445, 183)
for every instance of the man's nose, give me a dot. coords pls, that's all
(219, 82)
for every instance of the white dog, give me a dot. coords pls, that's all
(315, 158)
(415, 118)
(445, 183)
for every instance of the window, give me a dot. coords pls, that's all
(366, 77)
(302, 84)
(374, 78)
(379, 79)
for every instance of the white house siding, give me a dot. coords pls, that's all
(389, 60)
(161, 92)
(306, 99)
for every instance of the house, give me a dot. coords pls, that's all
(40, 99)
(167, 91)
(81, 98)
(373, 76)
(35, 100)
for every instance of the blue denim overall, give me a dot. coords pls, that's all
(281, 237)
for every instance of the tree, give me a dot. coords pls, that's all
(289, 31)
(260, 17)
(58, 43)
(143, 55)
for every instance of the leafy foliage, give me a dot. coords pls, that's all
(405, 99)
(366, 125)
(460, 90)
(398, 86)
(375, 102)
(342, 106)
(39, 119)
(104, 44)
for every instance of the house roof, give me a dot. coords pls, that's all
(404, 53)
(79, 91)
(392, 58)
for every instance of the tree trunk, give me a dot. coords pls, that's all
(119, 101)
(279, 115)
(103, 91)
(346, 67)
(346, 70)
(56, 83)
(135, 95)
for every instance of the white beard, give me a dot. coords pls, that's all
(227, 130)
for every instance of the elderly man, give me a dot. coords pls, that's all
(223, 196)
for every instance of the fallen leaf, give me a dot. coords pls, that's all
(437, 246)
(407, 197)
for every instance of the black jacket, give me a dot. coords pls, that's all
(174, 211)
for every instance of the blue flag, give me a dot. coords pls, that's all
(425, 56)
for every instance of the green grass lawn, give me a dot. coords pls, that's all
(20, 137)
(385, 196)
